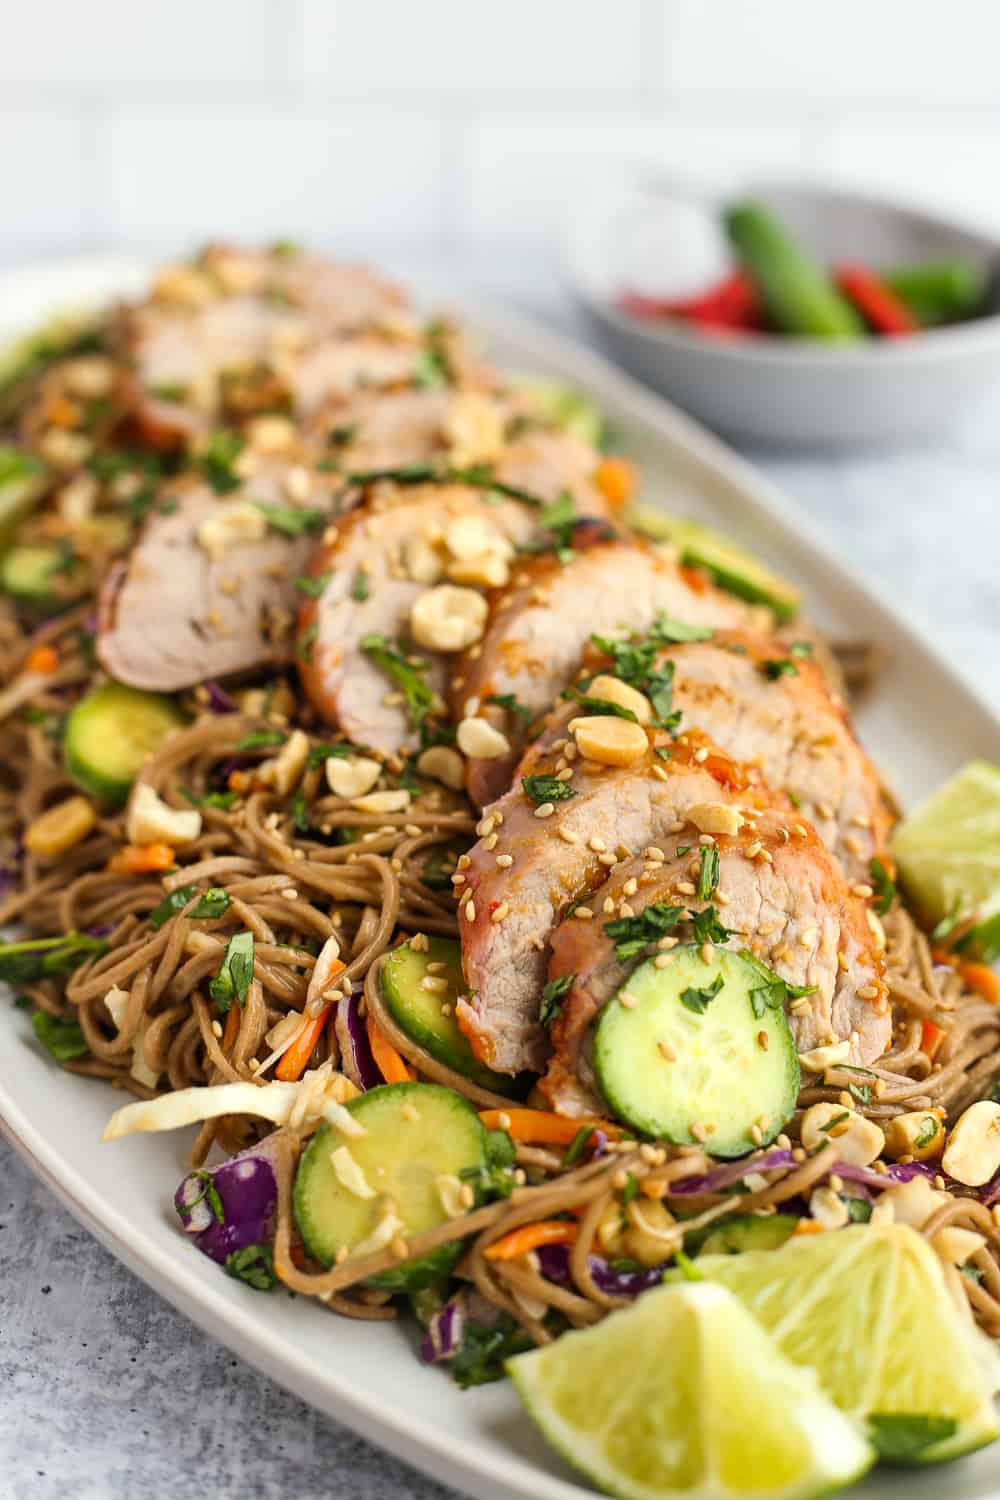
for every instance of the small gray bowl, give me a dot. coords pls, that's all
(799, 392)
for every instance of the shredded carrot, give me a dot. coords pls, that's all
(617, 479)
(531, 1237)
(387, 1059)
(540, 1126)
(982, 979)
(808, 1226)
(931, 1037)
(232, 1030)
(696, 578)
(238, 781)
(142, 859)
(292, 1062)
(60, 411)
(43, 660)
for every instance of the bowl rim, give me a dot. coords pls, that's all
(956, 341)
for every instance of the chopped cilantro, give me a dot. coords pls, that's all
(233, 979)
(406, 672)
(801, 650)
(630, 1189)
(512, 705)
(361, 587)
(699, 1000)
(481, 1357)
(216, 461)
(42, 958)
(293, 520)
(543, 789)
(552, 997)
(928, 1131)
(600, 705)
(430, 369)
(306, 641)
(665, 630)
(254, 1264)
(883, 885)
(632, 934)
(223, 800)
(213, 903)
(707, 928)
(578, 1145)
(773, 991)
(775, 667)
(312, 587)
(260, 738)
(61, 1036)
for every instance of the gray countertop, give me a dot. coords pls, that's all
(105, 1391)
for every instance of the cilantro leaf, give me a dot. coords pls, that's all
(599, 705)
(666, 630)
(707, 927)
(406, 672)
(928, 1131)
(775, 667)
(361, 586)
(312, 587)
(513, 706)
(481, 1357)
(233, 979)
(41, 958)
(883, 885)
(699, 1000)
(212, 903)
(541, 789)
(630, 1189)
(209, 1195)
(61, 1036)
(632, 934)
(261, 738)
(293, 520)
(216, 461)
(801, 650)
(578, 1145)
(430, 369)
(254, 1265)
(552, 997)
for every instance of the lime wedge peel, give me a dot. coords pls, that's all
(870, 1311)
(948, 848)
(685, 1395)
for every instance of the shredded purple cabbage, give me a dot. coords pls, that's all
(445, 1331)
(219, 700)
(554, 1263)
(896, 1173)
(231, 1206)
(356, 1058)
(735, 1171)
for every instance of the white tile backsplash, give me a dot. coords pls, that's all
(449, 121)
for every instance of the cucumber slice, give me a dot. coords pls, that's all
(415, 1134)
(733, 569)
(23, 481)
(564, 406)
(748, 1232)
(428, 1016)
(42, 576)
(111, 733)
(691, 1062)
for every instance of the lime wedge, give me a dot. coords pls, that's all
(948, 849)
(869, 1310)
(684, 1394)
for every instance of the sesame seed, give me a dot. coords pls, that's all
(217, 1028)
(663, 960)
(706, 840)
(762, 1040)
(341, 1255)
(566, 774)
(868, 992)
(630, 887)
(800, 830)
(842, 962)
(619, 1180)
(399, 1248)
(503, 910)
(458, 879)
(664, 943)
(545, 810)
(752, 850)
(756, 1135)
(667, 1051)
(659, 773)
(503, 1120)
(853, 844)
(466, 1195)
(766, 928)
(437, 968)
(608, 906)
(409, 1112)
(505, 861)
(699, 1131)
(722, 898)
(807, 938)
(801, 1005)
(706, 953)
(485, 827)
(629, 1001)
(686, 888)
(470, 910)
(783, 953)
(607, 859)
(598, 845)
(701, 755)
(583, 913)
(766, 856)
(824, 809)
(568, 836)
(652, 852)
(861, 889)
(625, 909)
(490, 843)
(434, 984)
(861, 820)
(464, 861)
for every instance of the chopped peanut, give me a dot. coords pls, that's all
(352, 776)
(715, 817)
(919, 1133)
(613, 690)
(60, 827)
(609, 741)
(150, 820)
(858, 1141)
(972, 1154)
(478, 739)
(448, 618)
(444, 765)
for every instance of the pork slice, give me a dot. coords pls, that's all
(540, 625)
(549, 463)
(373, 544)
(785, 899)
(507, 912)
(763, 704)
(175, 613)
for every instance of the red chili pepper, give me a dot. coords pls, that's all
(732, 304)
(878, 303)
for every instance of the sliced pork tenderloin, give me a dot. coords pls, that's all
(540, 625)
(782, 896)
(535, 857)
